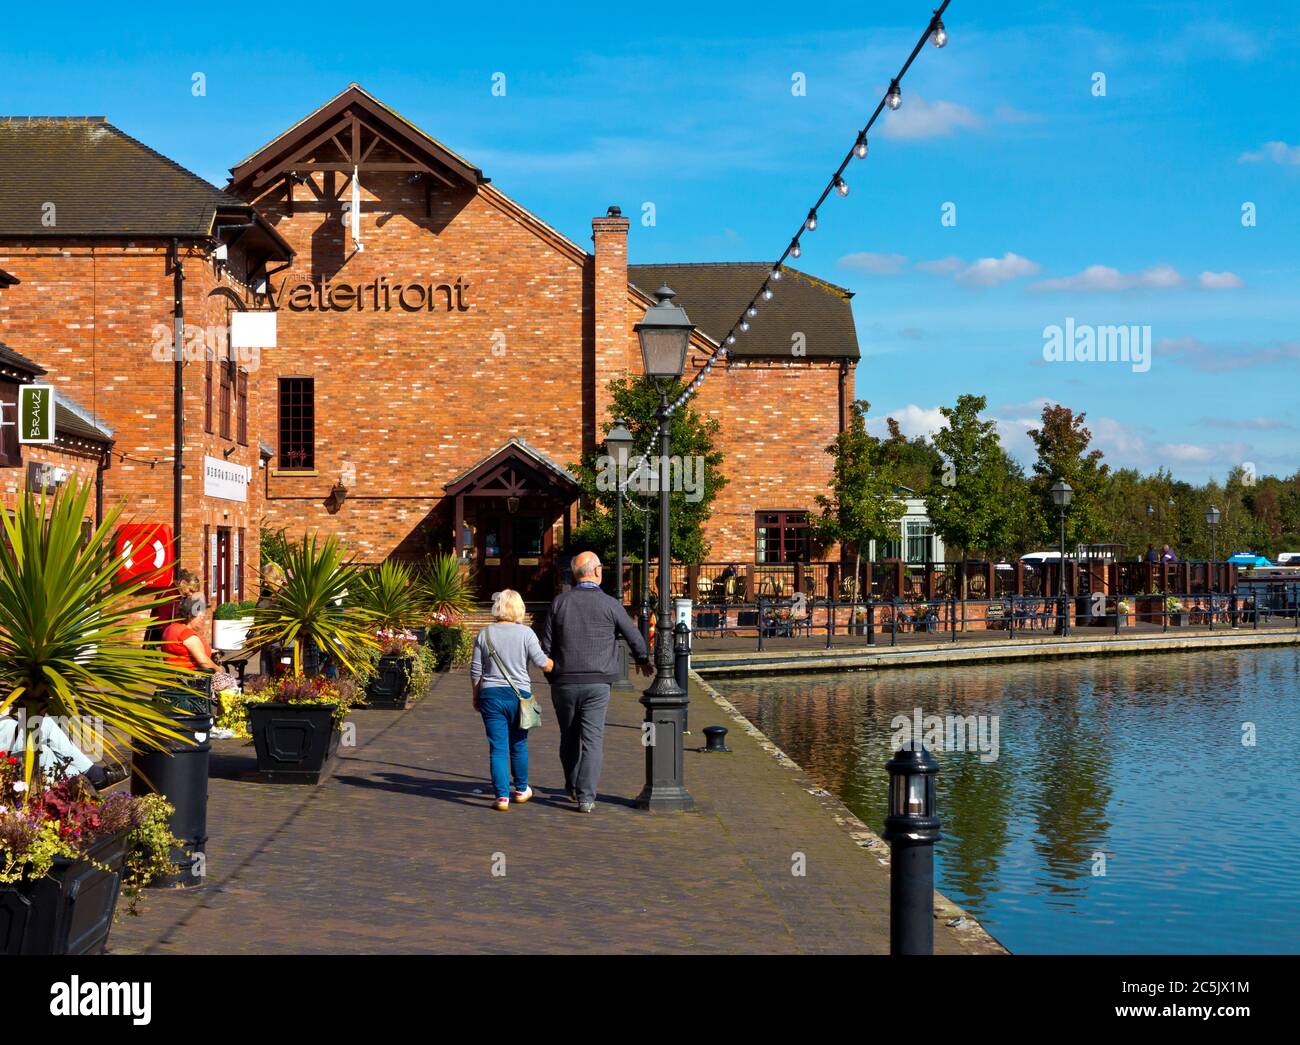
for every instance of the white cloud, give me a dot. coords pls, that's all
(1216, 360)
(1220, 280)
(1251, 424)
(912, 421)
(990, 272)
(875, 264)
(1096, 279)
(942, 267)
(918, 118)
(1274, 152)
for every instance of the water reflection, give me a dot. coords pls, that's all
(1103, 824)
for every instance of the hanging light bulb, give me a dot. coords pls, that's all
(744, 326)
(767, 293)
(842, 187)
(860, 150)
(795, 249)
(751, 312)
(811, 223)
(775, 273)
(938, 34)
(731, 339)
(895, 96)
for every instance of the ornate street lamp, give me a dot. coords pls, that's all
(1062, 495)
(665, 335)
(618, 443)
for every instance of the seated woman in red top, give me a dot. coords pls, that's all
(182, 645)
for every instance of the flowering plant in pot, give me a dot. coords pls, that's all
(447, 590)
(393, 599)
(295, 723)
(71, 656)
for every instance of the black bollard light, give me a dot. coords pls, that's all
(911, 829)
(715, 740)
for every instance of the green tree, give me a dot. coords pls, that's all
(863, 503)
(978, 499)
(914, 461)
(693, 444)
(1062, 443)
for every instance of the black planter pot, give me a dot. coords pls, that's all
(70, 910)
(296, 743)
(388, 688)
(180, 774)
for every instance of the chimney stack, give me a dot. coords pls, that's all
(612, 334)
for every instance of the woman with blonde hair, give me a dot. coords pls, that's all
(502, 694)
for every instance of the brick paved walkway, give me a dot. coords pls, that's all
(394, 853)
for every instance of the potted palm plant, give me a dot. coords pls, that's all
(447, 591)
(388, 591)
(296, 738)
(72, 667)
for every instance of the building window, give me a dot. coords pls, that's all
(780, 537)
(241, 401)
(226, 401)
(920, 540)
(207, 393)
(11, 455)
(297, 423)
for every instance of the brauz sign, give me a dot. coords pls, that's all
(36, 413)
(379, 296)
(225, 480)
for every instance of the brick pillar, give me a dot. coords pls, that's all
(612, 333)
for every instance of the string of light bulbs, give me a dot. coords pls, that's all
(937, 34)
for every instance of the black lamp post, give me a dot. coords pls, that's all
(1212, 517)
(665, 335)
(1062, 495)
(911, 829)
(618, 442)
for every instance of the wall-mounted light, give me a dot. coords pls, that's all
(512, 505)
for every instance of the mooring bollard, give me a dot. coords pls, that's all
(911, 829)
(715, 740)
(682, 664)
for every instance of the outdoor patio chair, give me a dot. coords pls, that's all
(704, 589)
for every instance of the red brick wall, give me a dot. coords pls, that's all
(408, 400)
(91, 314)
(13, 481)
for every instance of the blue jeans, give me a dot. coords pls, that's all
(507, 743)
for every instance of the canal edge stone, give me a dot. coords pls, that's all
(955, 918)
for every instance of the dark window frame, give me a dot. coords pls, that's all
(11, 450)
(296, 427)
(241, 408)
(788, 548)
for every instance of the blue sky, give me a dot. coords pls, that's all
(1122, 209)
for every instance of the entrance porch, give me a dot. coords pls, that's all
(512, 513)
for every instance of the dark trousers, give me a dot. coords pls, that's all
(580, 714)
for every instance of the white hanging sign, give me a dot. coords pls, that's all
(225, 480)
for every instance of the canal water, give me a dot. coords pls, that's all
(1123, 804)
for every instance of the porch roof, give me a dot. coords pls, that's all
(520, 450)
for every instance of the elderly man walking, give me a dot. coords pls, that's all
(580, 636)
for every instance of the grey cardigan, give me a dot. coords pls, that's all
(516, 645)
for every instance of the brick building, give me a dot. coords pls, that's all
(441, 357)
(109, 247)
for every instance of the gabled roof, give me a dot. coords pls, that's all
(102, 182)
(11, 360)
(715, 294)
(76, 422)
(518, 449)
(252, 172)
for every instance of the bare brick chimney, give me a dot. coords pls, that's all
(612, 338)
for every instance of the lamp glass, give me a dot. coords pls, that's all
(1212, 516)
(663, 351)
(1062, 493)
